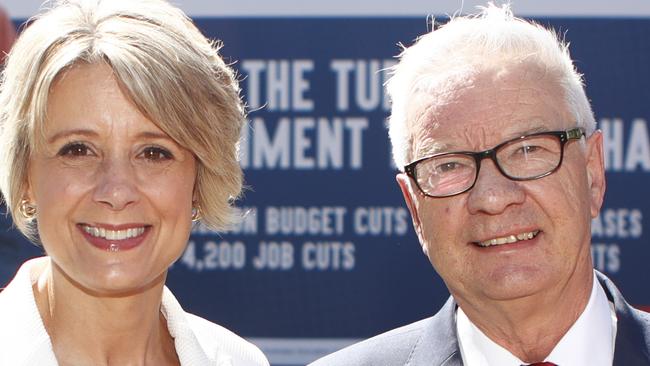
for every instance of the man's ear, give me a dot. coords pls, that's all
(408, 191)
(595, 171)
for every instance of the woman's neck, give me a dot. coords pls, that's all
(89, 328)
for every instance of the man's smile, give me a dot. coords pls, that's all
(508, 239)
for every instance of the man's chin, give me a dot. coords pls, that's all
(514, 283)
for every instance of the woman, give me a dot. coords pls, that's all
(119, 128)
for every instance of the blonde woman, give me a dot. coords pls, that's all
(119, 125)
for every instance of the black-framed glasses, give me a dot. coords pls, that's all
(526, 157)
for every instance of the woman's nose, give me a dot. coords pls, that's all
(116, 186)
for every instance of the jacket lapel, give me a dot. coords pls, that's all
(438, 345)
(632, 328)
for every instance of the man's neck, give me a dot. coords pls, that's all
(530, 327)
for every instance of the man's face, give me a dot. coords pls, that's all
(492, 107)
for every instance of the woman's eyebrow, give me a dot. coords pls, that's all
(74, 132)
(90, 133)
(154, 135)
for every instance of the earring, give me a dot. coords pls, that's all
(196, 212)
(27, 209)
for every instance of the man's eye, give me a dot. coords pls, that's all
(448, 167)
(157, 154)
(529, 149)
(74, 149)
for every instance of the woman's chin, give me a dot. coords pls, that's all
(116, 281)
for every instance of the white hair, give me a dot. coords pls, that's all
(465, 46)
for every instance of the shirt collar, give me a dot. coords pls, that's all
(589, 341)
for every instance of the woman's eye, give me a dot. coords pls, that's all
(74, 149)
(156, 154)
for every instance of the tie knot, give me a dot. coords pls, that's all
(541, 364)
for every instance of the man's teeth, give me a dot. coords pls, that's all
(509, 239)
(108, 234)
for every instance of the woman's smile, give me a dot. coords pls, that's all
(115, 238)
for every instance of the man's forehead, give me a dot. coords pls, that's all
(428, 143)
(485, 108)
(435, 94)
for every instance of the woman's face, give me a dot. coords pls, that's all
(113, 192)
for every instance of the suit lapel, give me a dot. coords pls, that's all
(438, 345)
(631, 346)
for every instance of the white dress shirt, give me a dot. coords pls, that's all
(198, 342)
(589, 341)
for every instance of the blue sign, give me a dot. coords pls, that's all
(325, 253)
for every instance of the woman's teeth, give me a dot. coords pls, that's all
(508, 239)
(108, 234)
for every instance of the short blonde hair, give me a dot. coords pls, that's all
(468, 44)
(163, 63)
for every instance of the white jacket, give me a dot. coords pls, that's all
(24, 341)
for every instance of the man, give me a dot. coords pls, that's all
(502, 173)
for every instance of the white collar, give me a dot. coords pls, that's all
(589, 341)
(187, 345)
(23, 329)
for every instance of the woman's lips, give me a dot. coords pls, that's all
(114, 238)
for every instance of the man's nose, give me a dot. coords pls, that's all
(116, 186)
(493, 192)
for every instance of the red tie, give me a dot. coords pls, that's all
(541, 364)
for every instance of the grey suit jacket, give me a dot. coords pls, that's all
(433, 341)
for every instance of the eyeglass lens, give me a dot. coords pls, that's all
(524, 158)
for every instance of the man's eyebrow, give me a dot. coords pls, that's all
(430, 146)
(74, 132)
(525, 132)
(530, 130)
